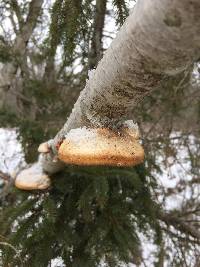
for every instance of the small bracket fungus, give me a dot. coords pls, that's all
(43, 148)
(32, 178)
(101, 147)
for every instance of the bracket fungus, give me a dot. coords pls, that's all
(32, 178)
(102, 146)
(43, 148)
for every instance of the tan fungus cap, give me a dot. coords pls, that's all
(32, 179)
(101, 147)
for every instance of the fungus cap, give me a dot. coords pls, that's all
(43, 148)
(101, 147)
(32, 179)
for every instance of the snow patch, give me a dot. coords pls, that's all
(11, 151)
(176, 170)
(58, 262)
(80, 134)
(131, 125)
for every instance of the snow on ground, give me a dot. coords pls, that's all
(58, 262)
(176, 170)
(11, 151)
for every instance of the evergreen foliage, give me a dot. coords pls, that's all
(70, 27)
(122, 10)
(4, 53)
(31, 133)
(89, 215)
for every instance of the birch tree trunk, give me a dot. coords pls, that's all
(159, 40)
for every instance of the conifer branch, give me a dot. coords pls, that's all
(179, 224)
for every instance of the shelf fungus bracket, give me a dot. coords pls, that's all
(44, 148)
(102, 146)
(33, 178)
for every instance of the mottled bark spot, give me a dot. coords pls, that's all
(173, 18)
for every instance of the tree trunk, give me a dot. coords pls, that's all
(159, 40)
(11, 80)
(96, 50)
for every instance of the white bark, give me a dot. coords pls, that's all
(158, 40)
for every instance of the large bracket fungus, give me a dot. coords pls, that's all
(87, 147)
(101, 146)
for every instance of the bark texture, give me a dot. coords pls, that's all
(158, 40)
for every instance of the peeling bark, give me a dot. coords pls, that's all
(159, 40)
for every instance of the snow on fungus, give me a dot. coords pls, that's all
(132, 129)
(32, 178)
(101, 146)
